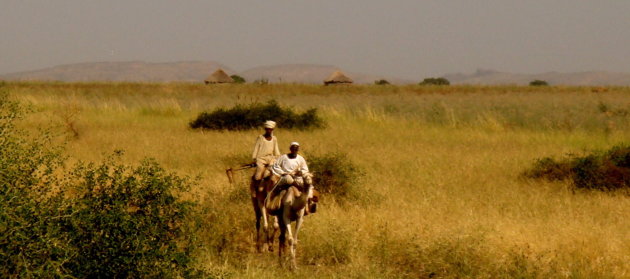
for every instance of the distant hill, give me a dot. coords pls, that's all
(197, 71)
(490, 77)
(308, 73)
(185, 71)
(123, 71)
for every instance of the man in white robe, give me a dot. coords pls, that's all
(290, 169)
(265, 153)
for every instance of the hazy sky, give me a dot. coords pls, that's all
(404, 38)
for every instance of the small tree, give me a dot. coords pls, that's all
(538, 82)
(435, 81)
(238, 79)
(381, 82)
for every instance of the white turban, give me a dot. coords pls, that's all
(295, 143)
(269, 124)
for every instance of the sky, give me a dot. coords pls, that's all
(402, 38)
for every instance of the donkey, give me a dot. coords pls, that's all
(290, 205)
(264, 234)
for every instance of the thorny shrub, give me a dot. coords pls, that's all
(97, 221)
(243, 117)
(32, 242)
(607, 170)
(128, 222)
(435, 81)
(338, 177)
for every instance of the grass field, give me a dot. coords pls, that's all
(441, 193)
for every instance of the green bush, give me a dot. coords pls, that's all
(127, 222)
(435, 81)
(538, 82)
(243, 117)
(381, 82)
(608, 170)
(96, 221)
(334, 173)
(549, 169)
(238, 79)
(32, 242)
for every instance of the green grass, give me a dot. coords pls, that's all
(443, 191)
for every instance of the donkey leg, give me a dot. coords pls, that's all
(281, 243)
(291, 245)
(298, 225)
(271, 234)
(294, 241)
(263, 212)
(258, 216)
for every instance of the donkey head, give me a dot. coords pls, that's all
(313, 195)
(311, 207)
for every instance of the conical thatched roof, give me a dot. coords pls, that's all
(337, 77)
(219, 76)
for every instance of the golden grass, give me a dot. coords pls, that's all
(442, 168)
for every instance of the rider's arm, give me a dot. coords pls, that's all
(256, 148)
(276, 168)
(276, 150)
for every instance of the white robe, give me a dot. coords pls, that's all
(286, 165)
(264, 147)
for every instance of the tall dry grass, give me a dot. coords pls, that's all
(443, 196)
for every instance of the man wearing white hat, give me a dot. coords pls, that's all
(265, 152)
(290, 168)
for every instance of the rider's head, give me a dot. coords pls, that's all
(269, 126)
(295, 148)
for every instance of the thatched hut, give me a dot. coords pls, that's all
(338, 78)
(219, 76)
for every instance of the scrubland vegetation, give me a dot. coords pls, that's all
(538, 82)
(244, 117)
(606, 171)
(440, 191)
